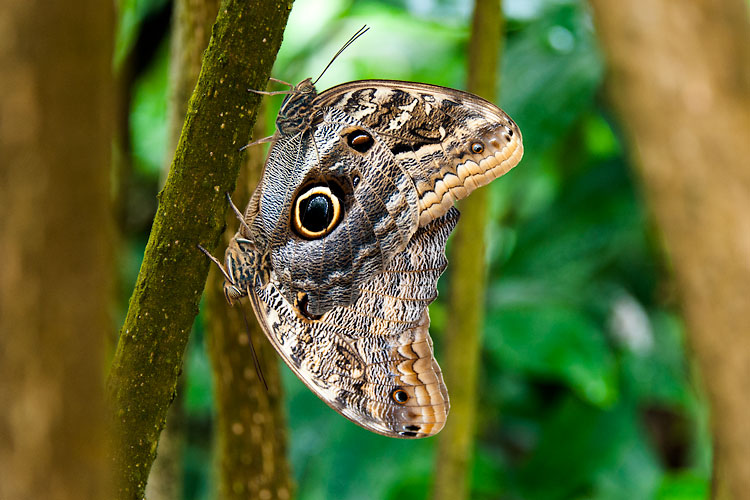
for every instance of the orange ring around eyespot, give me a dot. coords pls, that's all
(297, 220)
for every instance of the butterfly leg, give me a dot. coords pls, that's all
(282, 82)
(238, 213)
(231, 290)
(270, 138)
(272, 92)
(217, 262)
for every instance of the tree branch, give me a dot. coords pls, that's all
(148, 360)
(468, 270)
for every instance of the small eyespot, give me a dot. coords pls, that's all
(477, 147)
(355, 181)
(400, 396)
(303, 305)
(408, 434)
(412, 427)
(360, 141)
(316, 212)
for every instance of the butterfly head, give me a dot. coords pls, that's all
(295, 111)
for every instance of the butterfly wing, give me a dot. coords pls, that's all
(346, 306)
(377, 216)
(431, 147)
(450, 142)
(372, 360)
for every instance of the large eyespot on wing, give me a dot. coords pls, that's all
(316, 211)
(450, 141)
(372, 361)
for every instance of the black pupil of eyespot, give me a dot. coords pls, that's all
(360, 141)
(400, 396)
(317, 213)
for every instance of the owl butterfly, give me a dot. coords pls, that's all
(343, 241)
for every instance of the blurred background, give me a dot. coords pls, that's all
(587, 386)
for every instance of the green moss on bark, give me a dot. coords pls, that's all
(221, 113)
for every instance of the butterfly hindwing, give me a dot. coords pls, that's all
(372, 361)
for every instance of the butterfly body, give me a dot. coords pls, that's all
(343, 241)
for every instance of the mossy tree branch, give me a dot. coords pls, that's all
(468, 277)
(190, 32)
(148, 360)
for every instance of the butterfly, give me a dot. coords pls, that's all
(343, 241)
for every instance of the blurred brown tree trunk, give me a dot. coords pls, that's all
(56, 105)
(250, 424)
(680, 79)
(466, 308)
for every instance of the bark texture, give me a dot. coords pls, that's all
(680, 79)
(56, 104)
(148, 360)
(250, 424)
(466, 311)
(190, 32)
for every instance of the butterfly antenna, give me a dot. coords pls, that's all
(256, 362)
(354, 37)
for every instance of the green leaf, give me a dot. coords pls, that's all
(659, 375)
(148, 115)
(684, 486)
(584, 452)
(556, 343)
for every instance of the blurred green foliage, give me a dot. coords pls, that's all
(586, 392)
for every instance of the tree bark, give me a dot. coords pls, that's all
(148, 360)
(56, 105)
(190, 32)
(680, 79)
(466, 308)
(250, 424)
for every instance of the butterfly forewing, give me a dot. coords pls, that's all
(450, 142)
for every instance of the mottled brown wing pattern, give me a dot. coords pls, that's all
(380, 212)
(450, 142)
(372, 361)
(342, 289)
